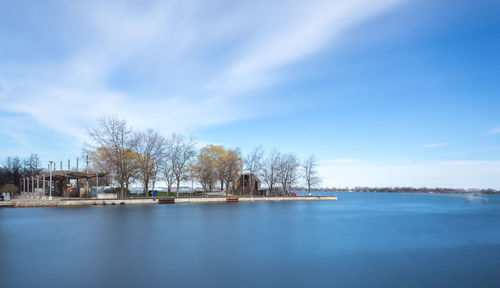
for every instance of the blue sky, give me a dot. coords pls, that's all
(390, 93)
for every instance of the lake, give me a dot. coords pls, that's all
(361, 240)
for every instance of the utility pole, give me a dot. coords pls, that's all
(77, 164)
(43, 184)
(50, 181)
(96, 183)
(87, 168)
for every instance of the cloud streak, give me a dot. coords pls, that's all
(434, 145)
(494, 131)
(342, 161)
(172, 66)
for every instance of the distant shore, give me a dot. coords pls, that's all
(410, 190)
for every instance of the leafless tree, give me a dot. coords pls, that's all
(311, 177)
(150, 147)
(114, 146)
(183, 153)
(12, 171)
(269, 171)
(32, 164)
(288, 171)
(167, 164)
(253, 164)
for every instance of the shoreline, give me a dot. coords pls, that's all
(422, 192)
(20, 203)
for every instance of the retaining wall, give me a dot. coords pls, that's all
(149, 201)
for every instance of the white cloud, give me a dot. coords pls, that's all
(468, 163)
(494, 130)
(342, 161)
(452, 174)
(187, 64)
(434, 145)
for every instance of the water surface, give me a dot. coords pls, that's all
(362, 240)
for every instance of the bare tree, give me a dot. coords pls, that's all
(32, 164)
(311, 177)
(183, 153)
(13, 171)
(149, 151)
(269, 171)
(288, 171)
(167, 164)
(114, 147)
(253, 164)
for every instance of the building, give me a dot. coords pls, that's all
(249, 181)
(65, 183)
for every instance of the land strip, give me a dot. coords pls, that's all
(150, 201)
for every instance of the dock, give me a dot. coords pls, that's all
(22, 202)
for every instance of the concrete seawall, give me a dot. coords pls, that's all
(5, 204)
(149, 201)
(78, 202)
(297, 198)
(254, 199)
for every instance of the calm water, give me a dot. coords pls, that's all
(362, 240)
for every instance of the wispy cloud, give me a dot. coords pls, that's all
(343, 161)
(434, 145)
(494, 131)
(172, 66)
(469, 163)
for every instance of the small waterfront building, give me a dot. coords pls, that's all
(246, 181)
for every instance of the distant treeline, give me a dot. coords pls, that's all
(412, 190)
(13, 169)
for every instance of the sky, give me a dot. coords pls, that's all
(383, 93)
